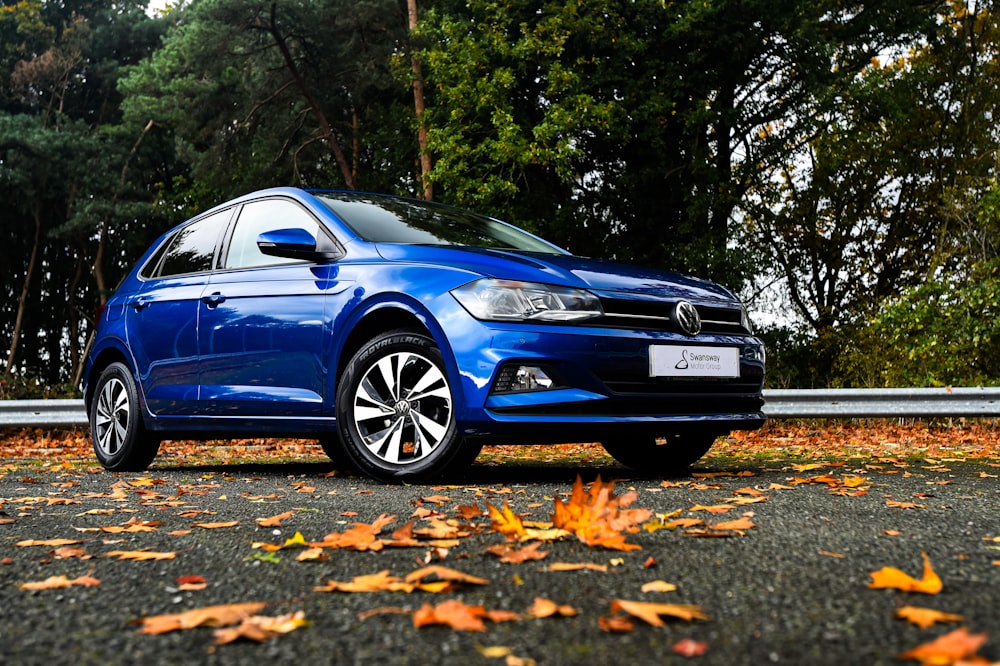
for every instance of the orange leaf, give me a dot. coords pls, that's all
(58, 582)
(597, 517)
(212, 616)
(947, 649)
(577, 566)
(651, 612)
(48, 542)
(275, 521)
(507, 522)
(547, 608)
(925, 617)
(893, 578)
(140, 555)
(452, 613)
(379, 582)
(444, 573)
(259, 628)
(216, 526)
(520, 555)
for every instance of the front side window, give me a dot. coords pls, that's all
(193, 247)
(258, 217)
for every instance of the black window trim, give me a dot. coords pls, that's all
(155, 262)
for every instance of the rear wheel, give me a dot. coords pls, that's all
(121, 441)
(396, 412)
(672, 454)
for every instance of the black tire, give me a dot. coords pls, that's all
(121, 441)
(396, 414)
(672, 454)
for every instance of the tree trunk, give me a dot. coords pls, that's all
(418, 105)
(314, 107)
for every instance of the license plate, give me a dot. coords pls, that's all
(679, 361)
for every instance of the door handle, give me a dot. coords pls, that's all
(213, 299)
(140, 303)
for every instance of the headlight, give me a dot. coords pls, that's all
(745, 320)
(507, 300)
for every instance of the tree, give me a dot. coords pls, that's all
(278, 93)
(634, 129)
(883, 198)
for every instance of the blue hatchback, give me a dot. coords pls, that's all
(404, 335)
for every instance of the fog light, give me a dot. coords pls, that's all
(520, 378)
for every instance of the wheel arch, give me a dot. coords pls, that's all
(101, 361)
(392, 316)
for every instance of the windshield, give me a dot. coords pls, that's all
(382, 219)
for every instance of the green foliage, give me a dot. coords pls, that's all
(945, 332)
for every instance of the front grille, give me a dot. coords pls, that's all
(659, 316)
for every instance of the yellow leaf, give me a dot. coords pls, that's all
(893, 578)
(659, 586)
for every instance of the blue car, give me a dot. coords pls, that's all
(403, 335)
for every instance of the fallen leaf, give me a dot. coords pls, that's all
(597, 517)
(650, 612)
(577, 566)
(212, 616)
(216, 526)
(275, 521)
(453, 613)
(48, 542)
(543, 608)
(259, 628)
(893, 578)
(948, 649)
(58, 582)
(904, 505)
(925, 617)
(658, 586)
(687, 647)
(519, 555)
(506, 522)
(140, 555)
(446, 574)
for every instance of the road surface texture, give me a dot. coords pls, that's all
(791, 589)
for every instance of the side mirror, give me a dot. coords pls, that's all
(297, 244)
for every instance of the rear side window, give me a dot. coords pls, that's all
(192, 249)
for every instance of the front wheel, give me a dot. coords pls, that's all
(396, 411)
(121, 441)
(672, 454)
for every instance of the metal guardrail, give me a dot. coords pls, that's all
(780, 404)
(43, 414)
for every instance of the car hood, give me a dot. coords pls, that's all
(599, 276)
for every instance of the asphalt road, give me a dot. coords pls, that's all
(791, 590)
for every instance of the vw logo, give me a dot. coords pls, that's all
(687, 318)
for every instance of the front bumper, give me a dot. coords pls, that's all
(601, 383)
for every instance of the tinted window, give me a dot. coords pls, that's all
(393, 220)
(258, 217)
(193, 247)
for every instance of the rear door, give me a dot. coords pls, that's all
(161, 319)
(261, 325)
